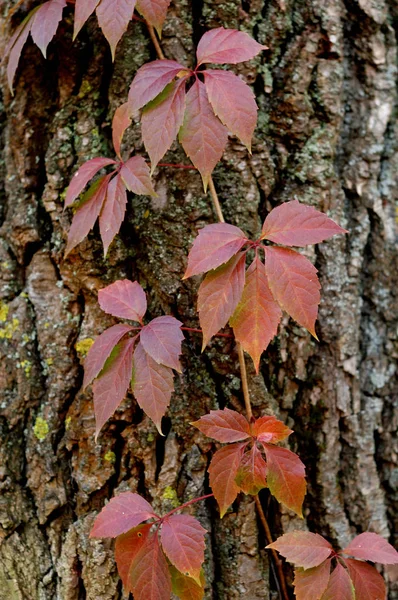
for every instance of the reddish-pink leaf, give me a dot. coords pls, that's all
(113, 382)
(214, 246)
(224, 425)
(221, 45)
(202, 134)
(15, 46)
(150, 80)
(161, 339)
(152, 386)
(295, 224)
(183, 541)
(83, 176)
(286, 478)
(256, 318)
(124, 299)
(294, 284)
(161, 121)
(45, 23)
(233, 102)
(269, 429)
(83, 9)
(252, 472)
(370, 546)
(127, 547)
(136, 176)
(367, 582)
(113, 18)
(302, 548)
(101, 350)
(310, 584)
(219, 295)
(340, 586)
(149, 576)
(222, 471)
(122, 512)
(186, 588)
(121, 122)
(154, 12)
(113, 211)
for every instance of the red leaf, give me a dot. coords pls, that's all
(294, 284)
(45, 23)
(113, 18)
(367, 582)
(124, 299)
(150, 80)
(286, 478)
(161, 339)
(256, 318)
(113, 382)
(221, 45)
(310, 584)
(295, 224)
(252, 473)
(222, 471)
(15, 46)
(127, 547)
(185, 587)
(214, 245)
(113, 211)
(83, 9)
(136, 177)
(233, 102)
(161, 121)
(121, 122)
(202, 134)
(83, 176)
(122, 512)
(269, 429)
(370, 546)
(183, 541)
(340, 585)
(302, 548)
(152, 386)
(219, 295)
(149, 577)
(101, 350)
(154, 12)
(224, 425)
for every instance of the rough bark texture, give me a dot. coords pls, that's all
(327, 135)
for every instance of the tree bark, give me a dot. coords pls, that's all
(327, 135)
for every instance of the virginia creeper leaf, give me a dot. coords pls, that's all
(286, 477)
(294, 284)
(310, 584)
(161, 339)
(154, 12)
(252, 473)
(136, 177)
(122, 512)
(219, 46)
(83, 176)
(224, 425)
(83, 9)
(121, 122)
(269, 429)
(45, 23)
(124, 299)
(15, 46)
(214, 245)
(367, 582)
(113, 211)
(127, 547)
(183, 542)
(370, 546)
(295, 224)
(113, 18)
(302, 548)
(202, 134)
(233, 102)
(186, 588)
(340, 585)
(219, 295)
(256, 318)
(222, 471)
(150, 80)
(149, 577)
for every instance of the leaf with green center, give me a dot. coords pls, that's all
(286, 477)
(83, 176)
(150, 81)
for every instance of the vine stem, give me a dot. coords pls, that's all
(155, 42)
(188, 504)
(245, 385)
(216, 202)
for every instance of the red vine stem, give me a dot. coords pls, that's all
(188, 504)
(191, 329)
(155, 42)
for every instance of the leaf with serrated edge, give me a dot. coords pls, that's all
(219, 46)
(186, 588)
(121, 122)
(371, 546)
(367, 582)
(183, 541)
(122, 512)
(113, 211)
(269, 429)
(150, 81)
(149, 576)
(154, 12)
(136, 176)
(219, 295)
(302, 548)
(161, 339)
(45, 23)
(124, 299)
(113, 18)
(152, 386)
(295, 224)
(233, 103)
(256, 318)
(83, 10)
(286, 477)
(202, 134)
(127, 546)
(310, 584)
(222, 471)
(252, 472)
(224, 425)
(83, 176)
(340, 586)
(294, 284)
(214, 245)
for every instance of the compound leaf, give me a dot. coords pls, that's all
(149, 576)
(83, 176)
(45, 23)
(302, 548)
(113, 18)
(127, 547)
(150, 81)
(113, 211)
(154, 12)
(367, 582)
(136, 176)
(370, 546)
(286, 477)
(221, 45)
(339, 586)
(124, 299)
(310, 584)
(224, 425)
(183, 541)
(222, 471)
(252, 473)
(161, 339)
(122, 512)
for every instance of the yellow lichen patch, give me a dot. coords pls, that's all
(8, 331)
(4, 308)
(170, 494)
(110, 457)
(83, 346)
(49, 361)
(26, 366)
(41, 428)
(67, 423)
(146, 214)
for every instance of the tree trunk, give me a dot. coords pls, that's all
(327, 135)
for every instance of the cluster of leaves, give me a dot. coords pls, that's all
(202, 116)
(252, 302)
(351, 578)
(155, 558)
(240, 466)
(143, 356)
